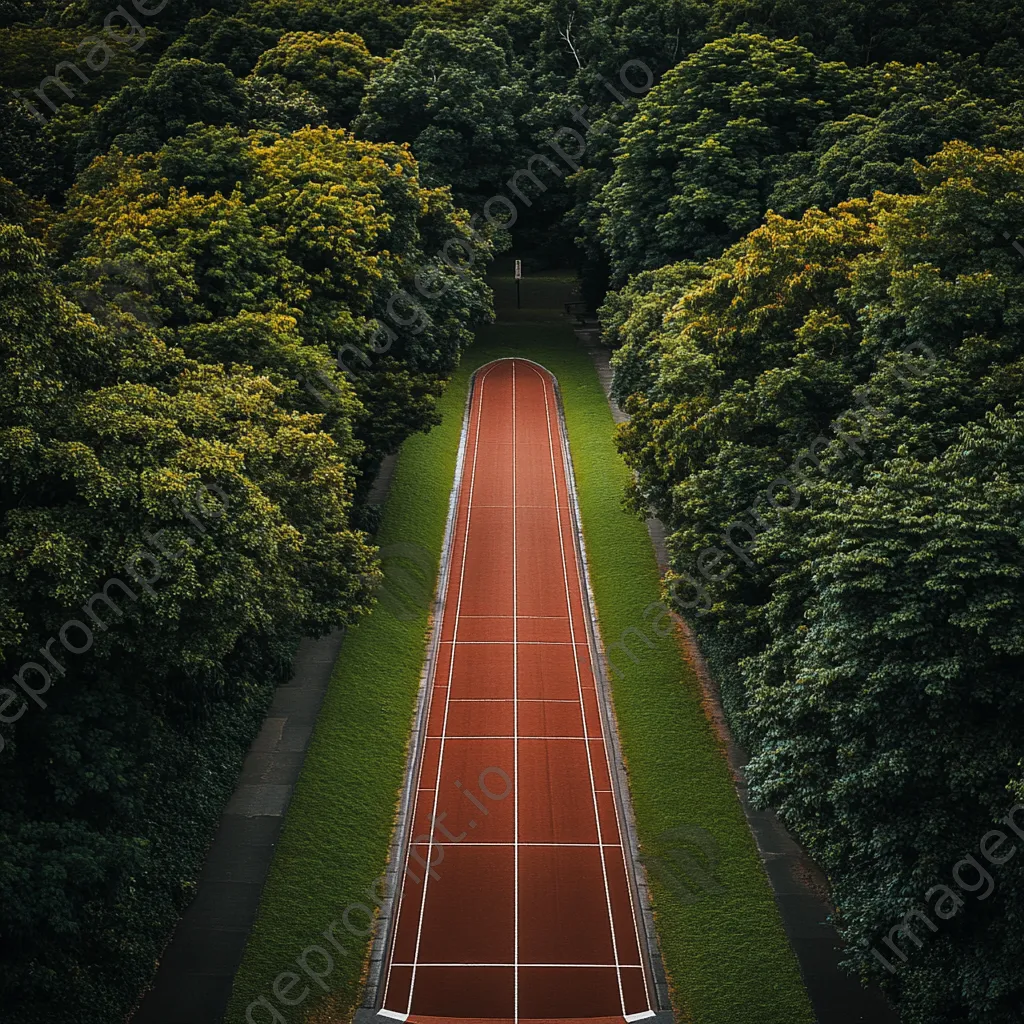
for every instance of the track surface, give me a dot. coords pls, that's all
(515, 903)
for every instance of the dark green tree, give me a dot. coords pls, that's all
(453, 96)
(333, 68)
(216, 39)
(826, 419)
(178, 530)
(869, 31)
(144, 115)
(888, 711)
(907, 115)
(698, 160)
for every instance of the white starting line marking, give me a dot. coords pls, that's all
(603, 967)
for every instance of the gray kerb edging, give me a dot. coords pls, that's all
(639, 892)
(635, 874)
(387, 919)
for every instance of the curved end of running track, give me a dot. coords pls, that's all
(517, 899)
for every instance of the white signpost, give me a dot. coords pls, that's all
(519, 277)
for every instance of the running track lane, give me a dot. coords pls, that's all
(526, 912)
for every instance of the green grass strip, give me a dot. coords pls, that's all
(720, 932)
(335, 838)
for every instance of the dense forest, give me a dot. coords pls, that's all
(242, 246)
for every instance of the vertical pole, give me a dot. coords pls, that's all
(518, 303)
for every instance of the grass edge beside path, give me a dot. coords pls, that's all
(718, 925)
(337, 832)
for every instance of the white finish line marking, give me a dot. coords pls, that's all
(600, 967)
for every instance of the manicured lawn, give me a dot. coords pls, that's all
(720, 932)
(335, 839)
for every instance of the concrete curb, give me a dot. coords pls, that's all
(387, 917)
(636, 875)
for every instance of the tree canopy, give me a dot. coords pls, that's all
(287, 252)
(178, 528)
(824, 417)
(453, 97)
(334, 68)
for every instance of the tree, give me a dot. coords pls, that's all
(174, 15)
(873, 30)
(631, 322)
(733, 380)
(453, 97)
(333, 68)
(284, 252)
(909, 113)
(822, 417)
(273, 108)
(382, 24)
(699, 158)
(746, 126)
(30, 53)
(179, 93)
(215, 39)
(186, 530)
(888, 710)
(28, 157)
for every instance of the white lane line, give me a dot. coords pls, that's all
(607, 748)
(646, 1015)
(391, 1013)
(579, 680)
(451, 666)
(562, 617)
(515, 696)
(508, 700)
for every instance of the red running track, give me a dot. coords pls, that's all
(526, 912)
